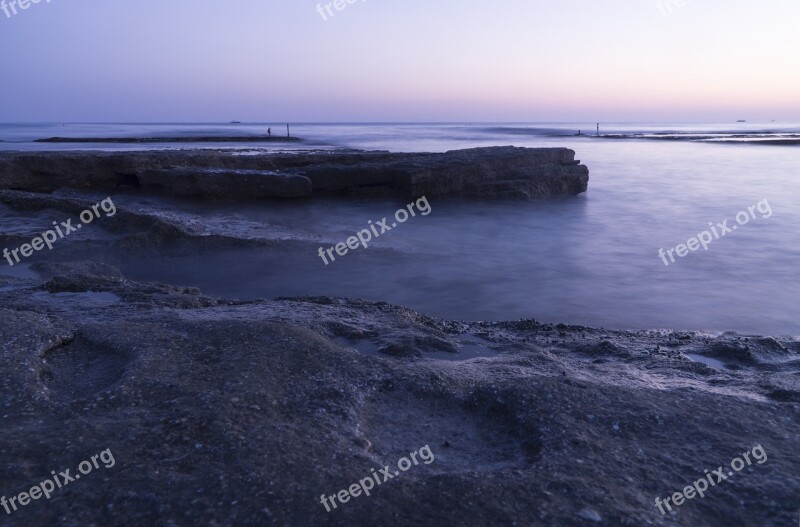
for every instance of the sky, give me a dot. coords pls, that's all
(400, 61)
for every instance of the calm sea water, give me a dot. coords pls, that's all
(588, 260)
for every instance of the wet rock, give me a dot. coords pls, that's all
(226, 183)
(242, 413)
(484, 173)
(285, 412)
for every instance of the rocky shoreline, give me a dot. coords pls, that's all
(221, 411)
(484, 173)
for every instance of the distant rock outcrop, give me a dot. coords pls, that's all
(487, 173)
(187, 139)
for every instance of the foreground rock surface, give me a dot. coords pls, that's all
(244, 413)
(491, 173)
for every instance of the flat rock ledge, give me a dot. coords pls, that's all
(231, 413)
(486, 173)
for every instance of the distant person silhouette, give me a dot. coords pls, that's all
(269, 132)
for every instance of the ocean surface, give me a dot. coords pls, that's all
(591, 260)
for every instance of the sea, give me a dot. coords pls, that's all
(593, 259)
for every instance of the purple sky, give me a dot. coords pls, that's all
(415, 60)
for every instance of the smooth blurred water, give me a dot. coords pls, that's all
(588, 260)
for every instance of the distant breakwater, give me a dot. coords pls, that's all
(184, 139)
